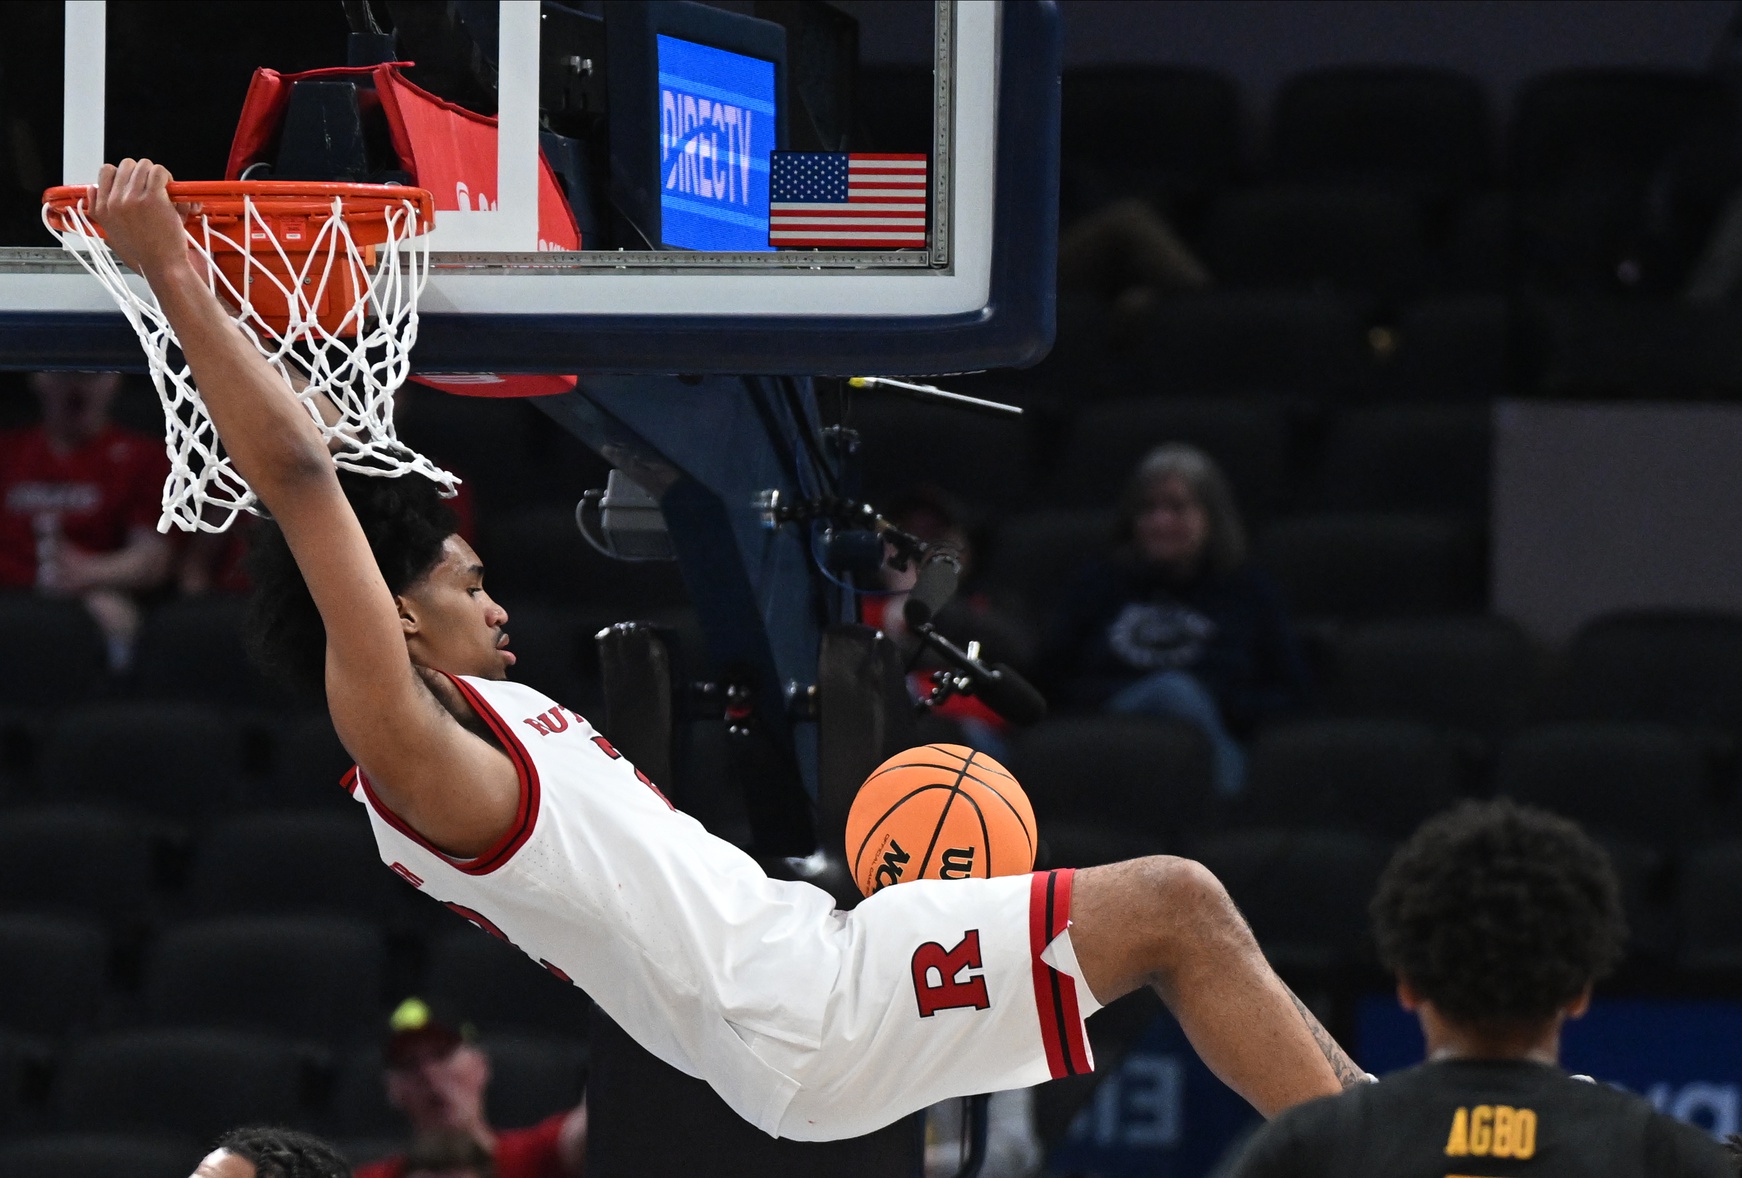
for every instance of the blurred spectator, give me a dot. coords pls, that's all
(1180, 623)
(934, 518)
(1127, 255)
(437, 1077)
(79, 501)
(449, 1155)
(272, 1153)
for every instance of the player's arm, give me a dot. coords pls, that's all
(453, 788)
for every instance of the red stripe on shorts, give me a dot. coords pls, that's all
(1055, 992)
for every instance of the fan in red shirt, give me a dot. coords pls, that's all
(79, 500)
(437, 1077)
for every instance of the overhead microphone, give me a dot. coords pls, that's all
(940, 569)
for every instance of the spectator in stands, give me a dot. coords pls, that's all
(437, 1077)
(1127, 255)
(934, 517)
(1180, 623)
(272, 1153)
(79, 500)
(1497, 920)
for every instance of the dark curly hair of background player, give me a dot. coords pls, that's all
(285, 1153)
(1499, 913)
(405, 522)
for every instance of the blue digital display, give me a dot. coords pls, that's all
(716, 133)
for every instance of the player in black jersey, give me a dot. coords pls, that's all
(1496, 919)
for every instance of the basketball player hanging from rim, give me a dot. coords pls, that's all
(810, 1023)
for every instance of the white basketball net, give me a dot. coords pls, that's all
(357, 373)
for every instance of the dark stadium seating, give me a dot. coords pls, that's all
(1034, 557)
(1608, 347)
(1373, 777)
(537, 555)
(1420, 458)
(51, 653)
(1711, 911)
(1601, 126)
(1312, 238)
(23, 1060)
(1413, 128)
(1250, 341)
(75, 860)
(549, 649)
(316, 978)
(100, 1155)
(1170, 134)
(1476, 674)
(55, 973)
(358, 1108)
(1639, 783)
(1450, 349)
(1106, 788)
(1304, 892)
(170, 760)
(193, 651)
(308, 762)
(1248, 437)
(1369, 565)
(289, 863)
(1671, 666)
(188, 1083)
(904, 444)
(500, 990)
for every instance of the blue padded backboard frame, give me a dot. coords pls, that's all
(1013, 329)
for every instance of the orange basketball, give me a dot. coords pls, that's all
(940, 811)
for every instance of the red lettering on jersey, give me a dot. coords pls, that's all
(951, 991)
(538, 725)
(556, 972)
(605, 747)
(548, 723)
(479, 919)
(405, 873)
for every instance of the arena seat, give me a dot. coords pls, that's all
(1170, 133)
(315, 978)
(22, 1059)
(1106, 788)
(1594, 126)
(1710, 911)
(537, 555)
(100, 1155)
(1669, 666)
(502, 991)
(1304, 892)
(1638, 783)
(1638, 348)
(1452, 348)
(51, 653)
(193, 651)
(76, 861)
(1432, 459)
(289, 863)
(358, 1108)
(1476, 255)
(531, 1079)
(308, 764)
(194, 1084)
(1034, 557)
(176, 761)
(1379, 778)
(1474, 674)
(1263, 341)
(1362, 241)
(56, 971)
(984, 461)
(1370, 565)
(1413, 128)
(1249, 438)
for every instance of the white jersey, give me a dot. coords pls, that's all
(809, 1022)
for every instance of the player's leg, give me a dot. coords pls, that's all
(1168, 923)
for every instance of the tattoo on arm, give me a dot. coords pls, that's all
(1348, 1074)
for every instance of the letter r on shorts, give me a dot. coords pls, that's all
(951, 991)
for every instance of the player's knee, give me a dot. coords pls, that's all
(1189, 904)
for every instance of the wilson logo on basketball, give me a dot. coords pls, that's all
(953, 989)
(958, 863)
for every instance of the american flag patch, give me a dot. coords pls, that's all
(847, 200)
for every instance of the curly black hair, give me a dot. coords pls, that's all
(405, 522)
(285, 1153)
(1499, 914)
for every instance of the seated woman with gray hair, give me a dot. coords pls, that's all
(1180, 622)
